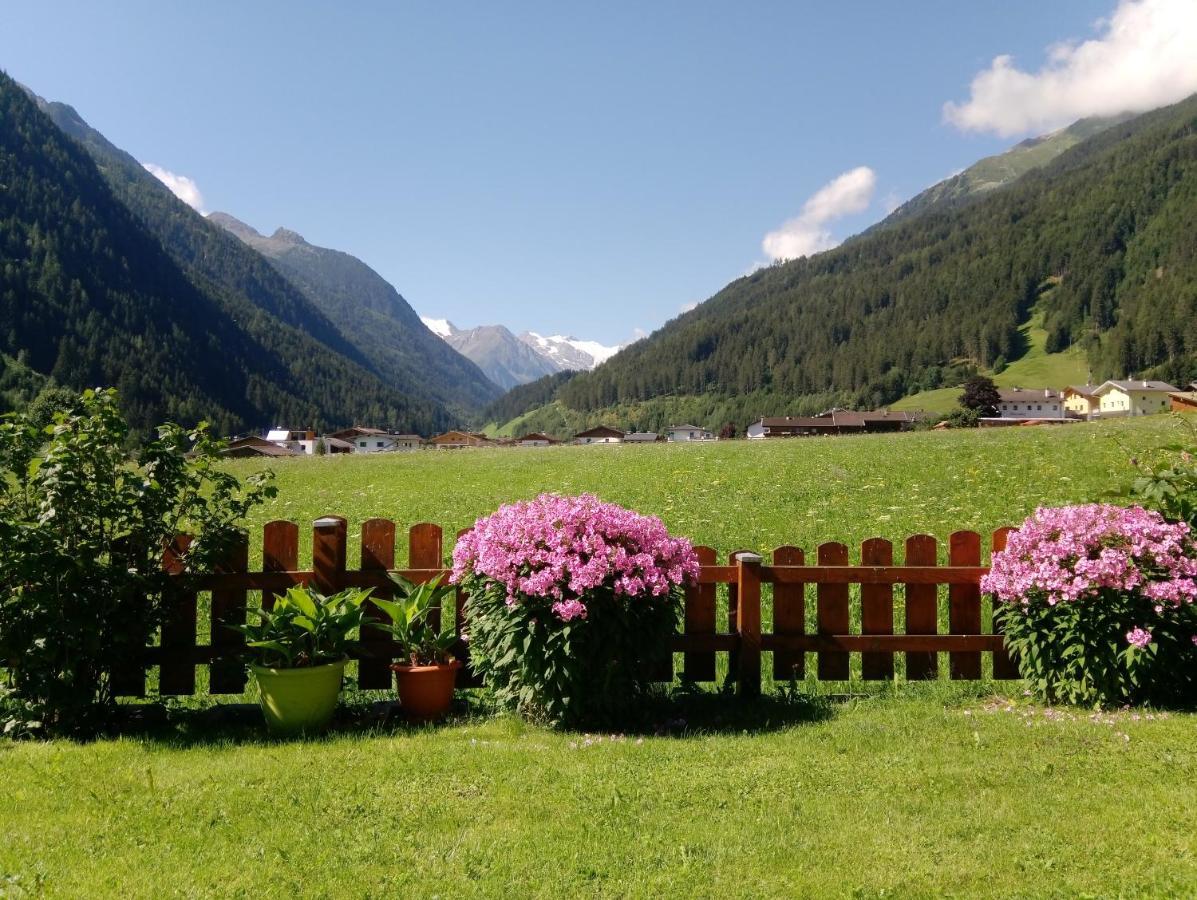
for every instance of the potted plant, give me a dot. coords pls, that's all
(426, 673)
(298, 652)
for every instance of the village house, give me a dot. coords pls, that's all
(1024, 403)
(1134, 398)
(602, 434)
(1184, 401)
(459, 440)
(1081, 400)
(255, 446)
(297, 441)
(833, 421)
(377, 440)
(640, 437)
(677, 434)
(535, 439)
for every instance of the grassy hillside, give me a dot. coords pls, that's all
(1036, 368)
(739, 494)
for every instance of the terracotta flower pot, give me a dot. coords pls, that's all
(425, 692)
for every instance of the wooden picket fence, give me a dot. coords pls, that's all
(829, 637)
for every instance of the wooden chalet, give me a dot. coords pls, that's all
(834, 421)
(459, 440)
(535, 439)
(602, 434)
(1184, 401)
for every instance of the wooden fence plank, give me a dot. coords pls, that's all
(789, 616)
(964, 604)
(699, 619)
(425, 551)
(378, 555)
(1004, 666)
(748, 626)
(733, 602)
(227, 673)
(877, 609)
(921, 608)
(329, 537)
(280, 553)
(176, 674)
(833, 613)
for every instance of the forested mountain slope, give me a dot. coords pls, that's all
(89, 296)
(1109, 223)
(373, 316)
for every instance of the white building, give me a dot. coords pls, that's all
(1022, 404)
(687, 433)
(1134, 398)
(377, 440)
(603, 434)
(303, 441)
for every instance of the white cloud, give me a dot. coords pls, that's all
(807, 233)
(180, 185)
(1144, 56)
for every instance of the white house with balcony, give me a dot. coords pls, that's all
(1025, 403)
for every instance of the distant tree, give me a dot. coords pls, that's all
(962, 418)
(981, 396)
(320, 448)
(727, 432)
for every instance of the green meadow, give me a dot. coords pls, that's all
(736, 495)
(907, 790)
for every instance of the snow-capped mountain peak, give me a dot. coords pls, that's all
(569, 352)
(440, 327)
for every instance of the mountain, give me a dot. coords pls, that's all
(506, 360)
(89, 296)
(493, 347)
(1098, 241)
(373, 316)
(569, 353)
(1005, 168)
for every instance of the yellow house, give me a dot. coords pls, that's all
(1081, 400)
(1134, 398)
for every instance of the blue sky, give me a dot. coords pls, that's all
(567, 168)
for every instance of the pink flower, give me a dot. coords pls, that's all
(1138, 637)
(568, 610)
(563, 549)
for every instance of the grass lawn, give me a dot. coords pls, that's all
(931, 792)
(901, 790)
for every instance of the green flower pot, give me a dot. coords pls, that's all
(297, 701)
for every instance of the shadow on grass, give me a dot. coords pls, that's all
(679, 712)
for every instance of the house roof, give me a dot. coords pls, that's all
(1161, 387)
(536, 436)
(686, 428)
(1189, 397)
(1083, 390)
(1027, 395)
(842, 418)
(642, 437)
(265, 448)
(457, 436)
(600, 431)
(330, 442)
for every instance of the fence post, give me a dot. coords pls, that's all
(328, 553)
(748, 624)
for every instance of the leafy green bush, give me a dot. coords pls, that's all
(1170, 484)
(83, 525)
(304, 628)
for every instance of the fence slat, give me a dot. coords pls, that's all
(1003, 666)
(748, 625)
(329, 536)
(280, 553)
(699, 619)
(733, 604)
(921, 607)
(378, 555)
(964, 604)
(176, 674)
(833, 613)
(425, 551)
(789, 616)
(877, 609)
(227, 673)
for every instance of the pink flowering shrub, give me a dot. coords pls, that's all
(570, 600)
(1098, 604)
